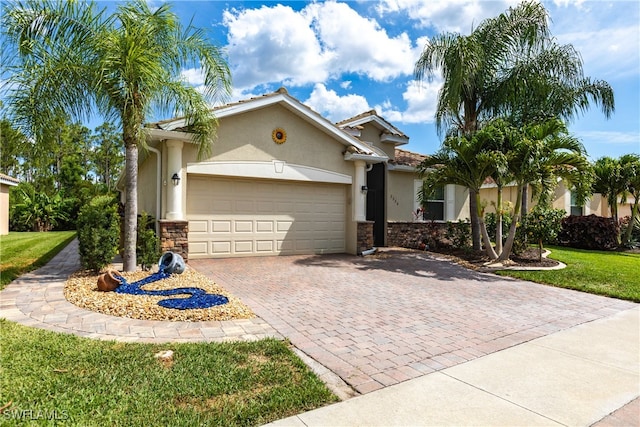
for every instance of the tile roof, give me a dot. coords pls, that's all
(6, 179)
(407, 158)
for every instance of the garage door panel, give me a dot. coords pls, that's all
(220, 226)
(265, 206)
(264, 226)
(265, 246)
(245, 206)
(218, 248)
(243, 226)
(198, 226)
(198, 248)
(243, 218)
(243, 246)
(284, 226)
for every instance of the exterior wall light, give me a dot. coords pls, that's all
(175, 179)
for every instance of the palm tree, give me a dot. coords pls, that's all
(508, 66)
(543, 153)
(466, 160)
(610, 182)
(631, 167)
(71, 57)
(615, 179)
(470, 66)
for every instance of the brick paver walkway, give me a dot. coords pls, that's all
(378, 321)
(37, 299)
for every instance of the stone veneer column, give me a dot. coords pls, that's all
(174, 237)
(365, 236)
(174, 192)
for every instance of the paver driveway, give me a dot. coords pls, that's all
(377, 321)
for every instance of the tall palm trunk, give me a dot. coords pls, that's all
(508, 245)
(488, 248)
(130, 206)
(525, 200)
(475, 222)
(499, 213)
(634, 214)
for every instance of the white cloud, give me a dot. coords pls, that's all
(360, 45)
(273, 44)
(320, 42)
(193, 76)
(632, 139)
(607, 52)
(421, 99)
(447, 15)
(333, 106)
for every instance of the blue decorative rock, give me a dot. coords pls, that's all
(198, 297)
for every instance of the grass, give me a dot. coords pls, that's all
(613, 274)
(47, 377)
(97, 383)
(24, 252)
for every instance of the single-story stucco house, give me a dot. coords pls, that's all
(5, 182)
(563, 198)
(282, 179)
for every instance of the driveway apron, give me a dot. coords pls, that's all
(381, 320)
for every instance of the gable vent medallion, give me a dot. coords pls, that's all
(279, 136)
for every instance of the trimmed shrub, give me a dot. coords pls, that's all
(589, 232)
(98, 232)
(460, 234)
(147, 243)
(542, 226)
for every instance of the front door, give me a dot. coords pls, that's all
(376, 203)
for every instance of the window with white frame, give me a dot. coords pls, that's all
(575, 208)
(439, 207)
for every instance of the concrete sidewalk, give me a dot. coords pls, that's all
(576, 377)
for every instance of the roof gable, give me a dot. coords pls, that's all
(282, 98)
(389, 133)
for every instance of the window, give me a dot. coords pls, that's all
(575, 209)
(434, 208)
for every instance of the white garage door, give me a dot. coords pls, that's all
(235, 217)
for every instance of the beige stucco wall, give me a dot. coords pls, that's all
(400, 196)
(489, 197)
(371, 134)
(148, 186)
(247, 137)
(4, 209)
(461, 203)
(561, 199)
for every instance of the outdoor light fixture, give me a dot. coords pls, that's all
(175, 179)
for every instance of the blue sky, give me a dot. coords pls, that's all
(344, 58)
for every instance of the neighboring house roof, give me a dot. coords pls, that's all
(355, 147)
(7, 180)
(389, 133)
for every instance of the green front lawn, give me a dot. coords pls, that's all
(23, 252)
(49, 378)
(99, 383)
(613, 274)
